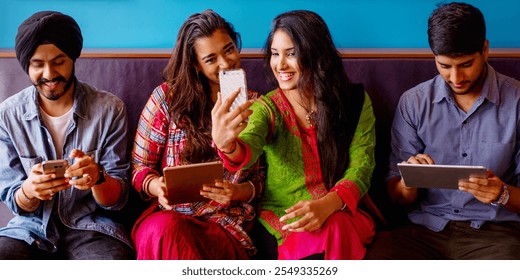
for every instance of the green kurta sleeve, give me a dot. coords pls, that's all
(258, 130)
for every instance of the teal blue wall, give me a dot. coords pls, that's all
(353, 23)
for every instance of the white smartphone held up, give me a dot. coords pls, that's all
(57, 166)
(230, 81)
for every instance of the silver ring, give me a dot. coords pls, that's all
(89, 179)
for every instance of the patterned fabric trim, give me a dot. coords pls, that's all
(311, 157)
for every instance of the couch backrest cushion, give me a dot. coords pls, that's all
(133, 79)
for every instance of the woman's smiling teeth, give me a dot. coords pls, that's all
(284, 76)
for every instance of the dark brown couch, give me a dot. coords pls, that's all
(385, 76)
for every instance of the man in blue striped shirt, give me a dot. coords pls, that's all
(466, 115)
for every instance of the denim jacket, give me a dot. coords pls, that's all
(99, 128)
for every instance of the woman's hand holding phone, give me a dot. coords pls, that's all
(226, 125)
(231, 111)
(231, 81)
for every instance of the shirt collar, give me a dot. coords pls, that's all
(489, 88)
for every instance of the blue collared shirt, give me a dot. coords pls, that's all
(99, 128)
(429, 121)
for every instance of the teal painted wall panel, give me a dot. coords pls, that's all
(353, 23)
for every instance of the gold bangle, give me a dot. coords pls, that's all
(33, 203)
(25, 195)
(146, 185)
(253, 194)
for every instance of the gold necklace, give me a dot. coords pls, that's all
(310, 116)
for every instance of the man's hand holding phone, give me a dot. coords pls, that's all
(84, 173)
(45, 180)
(57, 167)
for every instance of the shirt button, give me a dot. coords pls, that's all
(456, 210)
(464, 155)
(464, 122)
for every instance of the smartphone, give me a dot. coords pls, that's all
(57, 166)
(230, 81)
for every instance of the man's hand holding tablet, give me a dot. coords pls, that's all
(438, 176)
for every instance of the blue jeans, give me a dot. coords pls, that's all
(73, 245)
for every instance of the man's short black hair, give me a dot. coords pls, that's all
(456, 29)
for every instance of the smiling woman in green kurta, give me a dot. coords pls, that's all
(317, 133)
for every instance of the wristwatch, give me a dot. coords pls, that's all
(504, 197)
(101, 177)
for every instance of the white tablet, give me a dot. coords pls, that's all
(184, 182)
(438, 176)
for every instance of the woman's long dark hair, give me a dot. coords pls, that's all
(190, 90)
(322, 78)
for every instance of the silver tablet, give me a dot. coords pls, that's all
(438, 176)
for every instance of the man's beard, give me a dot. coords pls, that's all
(475, 84)
(469, 89)
(53, 95)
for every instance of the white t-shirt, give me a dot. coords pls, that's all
(57, 126)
